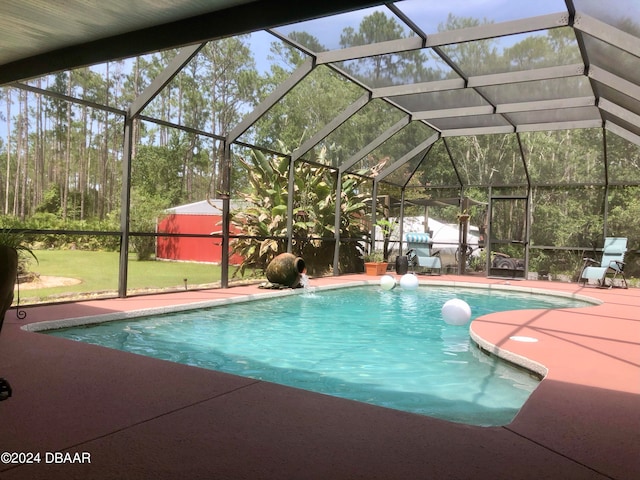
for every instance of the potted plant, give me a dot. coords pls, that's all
(11, 245)
(374, 263)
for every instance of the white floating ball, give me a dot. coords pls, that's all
(409, 281)
(456, 312)
(387, 282)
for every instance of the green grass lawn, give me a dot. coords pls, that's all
(98, 272)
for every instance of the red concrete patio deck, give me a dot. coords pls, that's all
(135, 417)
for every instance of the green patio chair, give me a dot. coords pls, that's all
(611, 265)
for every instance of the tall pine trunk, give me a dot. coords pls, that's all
(25, 152)
(8, 143)
(67, 158)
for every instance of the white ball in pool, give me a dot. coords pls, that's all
(456, 312)
(387, 282)
(409, 281)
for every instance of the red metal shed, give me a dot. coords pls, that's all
(203, 217)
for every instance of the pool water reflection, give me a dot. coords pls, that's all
(388, 348)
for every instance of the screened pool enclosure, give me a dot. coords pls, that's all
(330, 134)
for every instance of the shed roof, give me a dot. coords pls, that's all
(203, 207)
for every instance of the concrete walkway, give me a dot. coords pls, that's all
(89, 412)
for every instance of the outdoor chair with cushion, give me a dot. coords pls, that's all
(612, 264)
(419, 253)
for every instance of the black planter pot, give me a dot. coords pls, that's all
(8, 275)
(402, 264)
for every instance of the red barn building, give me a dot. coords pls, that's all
(203, 218)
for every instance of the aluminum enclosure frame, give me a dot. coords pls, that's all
(620, 119)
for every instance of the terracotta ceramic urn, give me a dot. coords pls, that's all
(285, 270)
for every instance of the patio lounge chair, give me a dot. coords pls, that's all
(612, 263)
(419, 253)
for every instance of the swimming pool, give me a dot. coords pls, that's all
(389, 348)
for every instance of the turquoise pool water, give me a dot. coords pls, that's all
(388, 348)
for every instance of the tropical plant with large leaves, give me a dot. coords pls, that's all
(262, 220)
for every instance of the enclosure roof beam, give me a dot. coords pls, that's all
(613, 81)
(622, 132)
(184, 128)
(408, 156)
(67, 98)
(524, 160)
(453, 163)
(423, 87)
(619, 112)
(453, 112)
(407, 20)
(492, 30)
(291, 42)
(457, 132)
(362, 51)
(417, 167)
(607, 33)
(547, 73)
(331, 126)
(386, 135)
(281, 90)
(162, 80)
(546, 104)
(604, 77)
(605, 154)
(571, 125)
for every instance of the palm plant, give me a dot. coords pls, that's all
(16, 241)
(264, 218)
